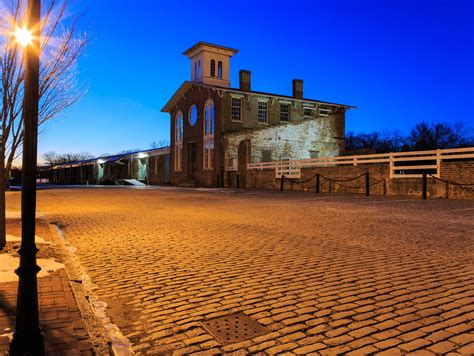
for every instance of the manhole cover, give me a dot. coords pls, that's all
(234, 328)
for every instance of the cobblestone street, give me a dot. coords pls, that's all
(326, 274)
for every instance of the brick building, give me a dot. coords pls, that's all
(217, 129)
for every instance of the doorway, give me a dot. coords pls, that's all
(192, 160)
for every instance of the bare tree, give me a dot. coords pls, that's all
(160, 144)
(61, 45)
(433, 136)
(53, 158)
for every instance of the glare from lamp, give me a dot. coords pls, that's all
(22, 36)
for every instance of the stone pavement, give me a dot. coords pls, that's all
(60, 319)
(326, 274)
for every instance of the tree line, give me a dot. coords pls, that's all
(423, 136)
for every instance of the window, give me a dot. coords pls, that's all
(308, 112)
(219, 70)
(208, 151)
(156, 165)
(236, 109)
(266, 155)
(178, 141)
(193, 115)
(285, 112)
(313, 154)
(324, 111)
(262, 112)
(195, 70)
(213, 68)
(199, 70)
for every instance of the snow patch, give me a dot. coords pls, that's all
(9, 214)
(8, 335)
(38, 239)
(9, 263)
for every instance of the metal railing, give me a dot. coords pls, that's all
(402, 164)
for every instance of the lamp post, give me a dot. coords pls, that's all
(27, 337)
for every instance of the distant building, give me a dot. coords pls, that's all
(148, 166)
(217, 129)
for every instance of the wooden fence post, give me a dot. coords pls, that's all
(317, 183)
(282, 182)
(367, 184)
(423, 188)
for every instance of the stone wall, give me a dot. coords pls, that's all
(331, 180)
(299, 140)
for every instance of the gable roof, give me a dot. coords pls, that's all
(184, 88)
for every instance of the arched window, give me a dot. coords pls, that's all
(199, 70)
(219, 70)
(178, 141)
(195, 70)
(208, 152)
(213, 68)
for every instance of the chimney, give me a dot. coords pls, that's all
(297, 89)
(244, 78)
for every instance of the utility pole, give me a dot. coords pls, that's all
(27, 337)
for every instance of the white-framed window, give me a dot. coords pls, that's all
(208, 147)
(219, 70)
(324, 111)
(178, 142)
(262, 112)
(284, 112)
(308, 111)
(213, 68)
(236, 109)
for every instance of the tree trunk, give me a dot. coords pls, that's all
(3, 237)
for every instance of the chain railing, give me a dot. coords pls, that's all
(337, 182)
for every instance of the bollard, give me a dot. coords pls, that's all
(238, 181)
(217, 181)
(367, 185)
(317, 183)
(282, 181)
(423, 187)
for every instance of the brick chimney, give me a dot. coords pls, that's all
(244, 78)
(297, 89)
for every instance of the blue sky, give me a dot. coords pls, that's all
(398, 61)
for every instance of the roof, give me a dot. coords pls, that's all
(183, 89)
(195, 48)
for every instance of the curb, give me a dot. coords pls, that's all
(105, 336)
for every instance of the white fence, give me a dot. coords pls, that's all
(402, 164)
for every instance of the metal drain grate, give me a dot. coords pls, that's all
(234, 328)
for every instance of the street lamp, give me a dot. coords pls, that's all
(23, 36)
(27, 337)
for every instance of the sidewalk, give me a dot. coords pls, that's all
(60, 319)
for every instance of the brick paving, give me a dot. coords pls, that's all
(60, 319)
(326, 274)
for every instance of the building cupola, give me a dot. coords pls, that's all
(210, 64)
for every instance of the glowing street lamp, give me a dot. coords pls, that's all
(27, 337)
(23, 37)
